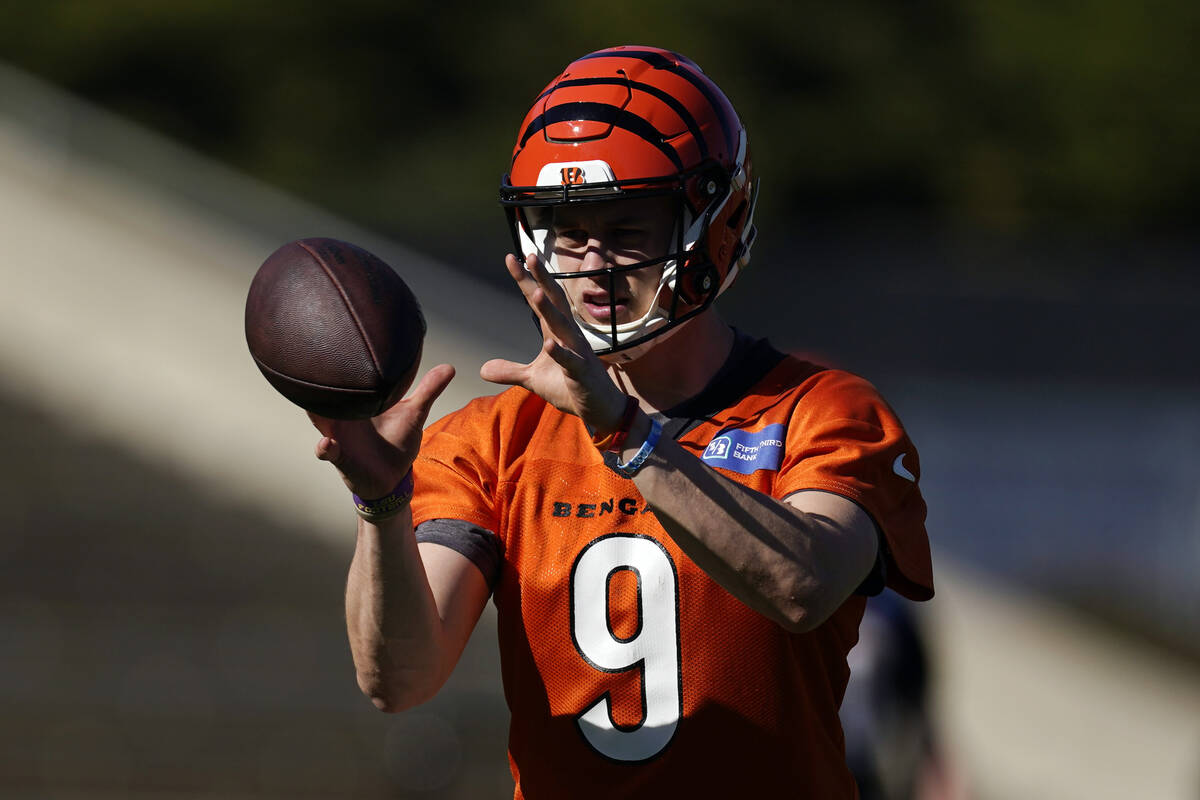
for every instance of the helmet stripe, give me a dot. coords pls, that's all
(675, 105)
(659, 61)
(602, 112)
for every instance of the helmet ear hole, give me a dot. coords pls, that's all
(697, 283)
(716, 183)
(708, 186)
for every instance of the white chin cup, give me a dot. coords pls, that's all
(638, 350)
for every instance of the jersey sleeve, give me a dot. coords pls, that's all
(455, 474)
(482, 547)
(844, 438)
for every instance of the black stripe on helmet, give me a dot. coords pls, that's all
(659, 61)
(610, 115)
(679, 108)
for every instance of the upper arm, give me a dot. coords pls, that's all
(846, 543)
(460, 592)
(844, 438)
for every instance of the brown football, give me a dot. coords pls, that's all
(334, 328)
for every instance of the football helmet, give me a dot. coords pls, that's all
(632, 122)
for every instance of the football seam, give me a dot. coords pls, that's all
(294, 379)
(362, 333)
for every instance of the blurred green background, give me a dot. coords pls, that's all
(1022, 118)
(988, 208)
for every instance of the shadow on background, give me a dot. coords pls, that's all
(160, 642)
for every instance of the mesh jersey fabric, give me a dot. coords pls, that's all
(626, 668)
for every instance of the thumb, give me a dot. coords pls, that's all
(499, 370)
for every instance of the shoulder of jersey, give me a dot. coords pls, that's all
(503, 407)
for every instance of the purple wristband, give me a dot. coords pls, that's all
(389, 505)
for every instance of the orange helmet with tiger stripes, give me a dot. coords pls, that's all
(632, 122)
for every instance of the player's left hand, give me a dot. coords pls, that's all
(373, 455)
(565, 373)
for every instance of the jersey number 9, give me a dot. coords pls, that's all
(653, 648)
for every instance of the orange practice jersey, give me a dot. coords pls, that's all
(628, 671)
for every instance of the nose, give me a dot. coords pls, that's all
(596, 256)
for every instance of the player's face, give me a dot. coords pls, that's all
(594, 236)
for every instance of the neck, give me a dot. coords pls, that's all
(678, 367)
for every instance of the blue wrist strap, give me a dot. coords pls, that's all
(631, 467)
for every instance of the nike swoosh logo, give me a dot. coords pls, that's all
(899, 468)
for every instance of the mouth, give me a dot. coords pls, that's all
(601, 305)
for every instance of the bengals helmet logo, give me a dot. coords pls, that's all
(572, 176)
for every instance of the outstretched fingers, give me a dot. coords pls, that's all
(565, 357)
(555, 321)
(532, 276)
(430, 388)
(519, 271)
(549, 302)
(541, 274)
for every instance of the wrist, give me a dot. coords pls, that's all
(642, 440)
(613, 437)
(638, 432)
(388, 506)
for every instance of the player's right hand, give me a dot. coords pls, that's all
(373, 455)
(565, 372)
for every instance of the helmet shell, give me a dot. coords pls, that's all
(660, 126)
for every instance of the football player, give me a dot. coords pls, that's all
(679, 525)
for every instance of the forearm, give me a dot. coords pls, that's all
(392, 618)
(795, 568)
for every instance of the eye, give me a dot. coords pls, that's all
(633, 239)
(571, 237)
(629, 235)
